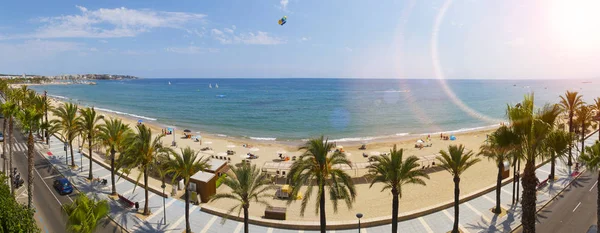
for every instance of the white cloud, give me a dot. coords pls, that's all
(109, 23)
(103, 41)
(228, 30)
(40, 48)
(517, 42)
(258, 38)
(348, 49)
(191, 50)
(284, 4)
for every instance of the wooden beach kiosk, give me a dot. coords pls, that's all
(206, 182)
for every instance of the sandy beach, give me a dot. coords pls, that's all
(370, 201)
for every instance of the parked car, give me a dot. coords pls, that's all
(63, 186)
(1, 137)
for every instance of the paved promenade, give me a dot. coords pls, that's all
(475, 215)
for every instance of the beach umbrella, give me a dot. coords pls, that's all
(231, 146)
(187, 131)
(420, 141)
(222, 154)
(254, 149)
(140, 121)
(207, 142)
(281, 152)
(375, 153)
(340, 147)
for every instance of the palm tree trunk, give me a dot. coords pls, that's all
(112, 171)
(582, 136)
(569, 162)
(322, 210)
(552, 165)
(4, 165)
(30, 170)
(187, 209)
(515, 177)
(598, 203)
(395, 207)
(46, 116)
(72, 157)
(518, 178)
(529, 198)
(498, 209)
(90, 156)
(146, 210)
(246, 230)
(456, 195)
(10, 150)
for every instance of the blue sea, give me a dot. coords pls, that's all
(296, 109)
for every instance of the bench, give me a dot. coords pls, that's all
(277, 213)
(128, 203)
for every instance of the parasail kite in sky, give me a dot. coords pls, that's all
(283, 20)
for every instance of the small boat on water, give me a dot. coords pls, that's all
(169, 82)
(209, 85)
(216, 85)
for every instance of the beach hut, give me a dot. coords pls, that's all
(206, 185)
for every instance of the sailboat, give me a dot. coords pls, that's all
(216, 85)
(209, 85)
(169, 82)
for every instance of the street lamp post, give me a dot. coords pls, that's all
(163, 186)
(81, 159)
(359, 215)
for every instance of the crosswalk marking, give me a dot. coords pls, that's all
(486, 219)
(427, 228)
(493, 201)
(547, 172)
(160, 210)
(238, 228)
(507, 192)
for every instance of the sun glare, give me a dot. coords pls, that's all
(576, 22)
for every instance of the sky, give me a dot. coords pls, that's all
(455, 39)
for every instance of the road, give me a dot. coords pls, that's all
(574, 210)
(47, 201)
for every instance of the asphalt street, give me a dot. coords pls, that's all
(48, 203)
(574, 210)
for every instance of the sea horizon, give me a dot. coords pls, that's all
(295, 109)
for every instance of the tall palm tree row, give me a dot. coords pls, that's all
(532, 128)
(591, 159)
(570, 102)
(29, 119)
(9, 110)
(584, 120)
(112, 134)
(184, 166)
(394, 172)
(500, 148)
(247, 184)
(68, 124)
(456, 161)
(317, 166)
(89, 125)
(142, 151)
(85, 214)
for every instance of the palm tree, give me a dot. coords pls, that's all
(532, 129)
(569, 103)
(141, 151)
(591, 159)
(247, 184)
(112, 135)
(29, 119)
(557, 144)
(584, 118)
(500, 149)
(393, 173)
(67, 120)
(9, 110)
(597, 117)
(315, 166)
(89, 124)
(84, 214)
(456, 161)
(185, 166)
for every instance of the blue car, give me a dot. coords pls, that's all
(63, 186)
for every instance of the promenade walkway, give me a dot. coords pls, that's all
(475, 215)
